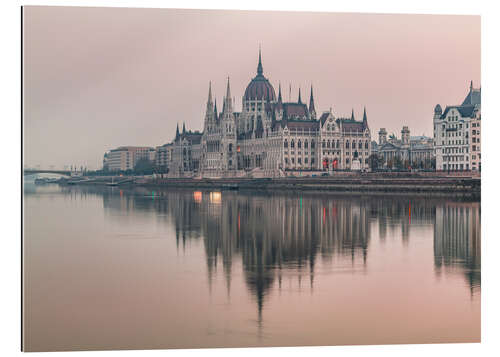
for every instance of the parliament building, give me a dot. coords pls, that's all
(269, 137)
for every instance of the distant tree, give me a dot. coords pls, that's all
(375, 161)
(144, 167)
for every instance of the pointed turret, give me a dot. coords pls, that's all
(300, 99)
(352, 114)
(209, 93)
(215, 109)
(471, 86)
(228, 105)
(365, 119)
(209, 115)
(183, 128)
(279, 105)
(177, 131)
(260, 71)
(312, 110)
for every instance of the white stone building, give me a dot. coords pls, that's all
(409, 151)
(269, 137)
(452, 133)
(163, 157)
(126, 157)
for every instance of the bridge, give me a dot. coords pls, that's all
(39, 171)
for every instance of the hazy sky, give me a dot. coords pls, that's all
(98, 78)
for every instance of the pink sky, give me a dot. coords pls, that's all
(98, 78)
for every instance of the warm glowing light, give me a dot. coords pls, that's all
(215, 197)
(197, 195)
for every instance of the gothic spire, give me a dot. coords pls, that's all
(279, 93)
(352, 114)
(215, 109)
(300, 99)
(311, 102)
(209, 101)
(228, 99)
(210, 92)
(365, 119)
(177, 131)
(183, 128)
(259, 66)
(471, 85)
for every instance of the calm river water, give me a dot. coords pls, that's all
(110, 268)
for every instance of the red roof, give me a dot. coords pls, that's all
(291, 110)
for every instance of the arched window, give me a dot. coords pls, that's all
(286, 144)
(299, 144)
(353, 144)
(366, 144)
(328, 127)
(338, 143)
(230, 147)
(312, 144)
(305, 144)
(324, 144)
(360, 145)
(328, 144)
(292, 144)
(347, 144)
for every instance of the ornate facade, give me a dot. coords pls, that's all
(414, 151)
(270, 137)
(457, 134)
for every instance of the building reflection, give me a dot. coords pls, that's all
(457, 240)
(282, 236)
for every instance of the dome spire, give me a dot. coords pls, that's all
(279, 93)
(259, 66)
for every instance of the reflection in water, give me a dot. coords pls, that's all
(278, 232)
(457, 240)
(281, 268)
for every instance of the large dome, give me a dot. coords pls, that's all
(259, 88)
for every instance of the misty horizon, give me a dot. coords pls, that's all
(99, 78)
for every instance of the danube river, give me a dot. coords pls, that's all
(112, 268)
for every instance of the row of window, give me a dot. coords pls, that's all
(456, 150)
(299, 153)
(299, 144)
(299, 160)
(455, 158)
